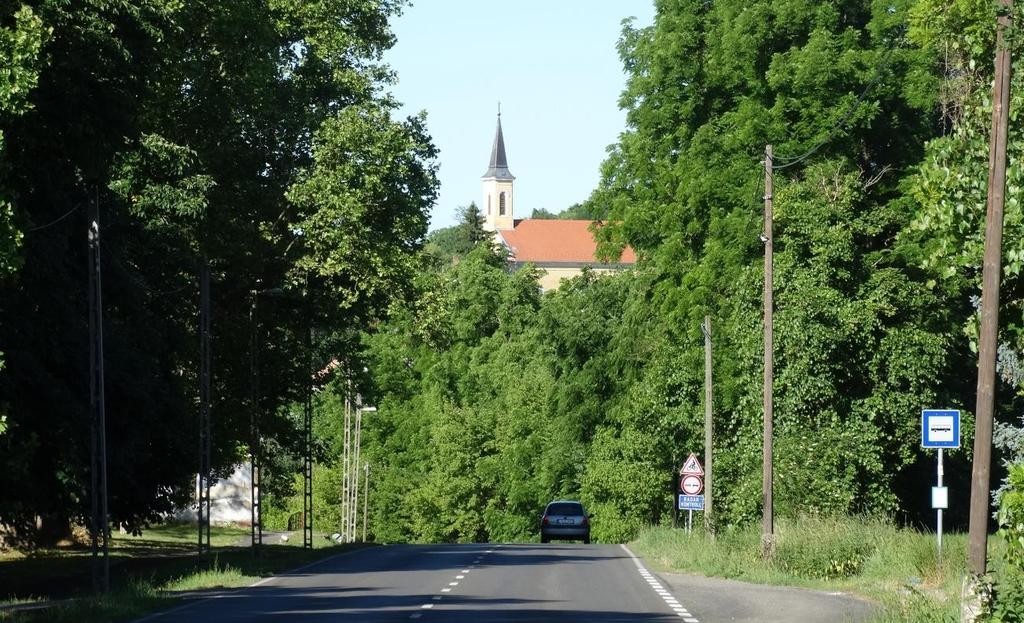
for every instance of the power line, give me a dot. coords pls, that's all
(789, 162)
(832, 133)
(755, 200)
(139, 283)
(54, 222)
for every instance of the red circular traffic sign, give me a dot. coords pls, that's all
(691, 485)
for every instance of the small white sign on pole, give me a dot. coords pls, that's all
(940, 497)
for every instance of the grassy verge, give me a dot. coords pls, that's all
(897, 568)
(147, 573)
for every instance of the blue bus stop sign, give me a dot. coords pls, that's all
(940, 428)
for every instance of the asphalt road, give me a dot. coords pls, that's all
(483, 583)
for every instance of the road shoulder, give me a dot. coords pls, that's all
(733, 601)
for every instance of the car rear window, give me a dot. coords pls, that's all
(565, 508)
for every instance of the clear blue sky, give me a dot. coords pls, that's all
(554, 66)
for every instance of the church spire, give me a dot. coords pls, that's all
(498, 206)
(498, 167)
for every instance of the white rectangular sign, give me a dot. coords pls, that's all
(941, 429)
(940, 497)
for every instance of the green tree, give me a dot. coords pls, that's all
(20, 46)
(213, 131)
(449, 243)
(589, 210)
(950, 190)
(709, 84)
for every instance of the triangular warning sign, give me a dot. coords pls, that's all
(692, 466)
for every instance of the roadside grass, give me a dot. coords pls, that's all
(63, 571)
(180, 535)
(145, 575)
(897, 568)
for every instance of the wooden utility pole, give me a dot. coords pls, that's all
(674, 488)
(768, 522)
(987, 343)
(708, 428)
(100, 523)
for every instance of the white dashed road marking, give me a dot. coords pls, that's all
(448, 589)
(670, 601)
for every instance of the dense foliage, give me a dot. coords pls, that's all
(255, 136)
(251, 136)
(494, 399)
(1009, 590)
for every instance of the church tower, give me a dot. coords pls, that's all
(498, 198)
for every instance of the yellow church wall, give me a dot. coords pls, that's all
(552, 277)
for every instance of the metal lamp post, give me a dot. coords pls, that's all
(354, 477)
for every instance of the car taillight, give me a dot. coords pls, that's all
(545, 520)
(585, 522)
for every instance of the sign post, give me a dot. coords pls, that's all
(940, 428)
(692, 487)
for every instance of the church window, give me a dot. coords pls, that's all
(501, 204)
(488, 205)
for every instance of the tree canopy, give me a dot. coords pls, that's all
(596, 391)
(255, 137)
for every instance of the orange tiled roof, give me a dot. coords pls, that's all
(542, 240)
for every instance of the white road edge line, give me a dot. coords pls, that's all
(666, 596)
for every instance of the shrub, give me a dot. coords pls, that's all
(824, 549)
(1008, 605)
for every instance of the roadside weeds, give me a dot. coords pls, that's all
(896, 568)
